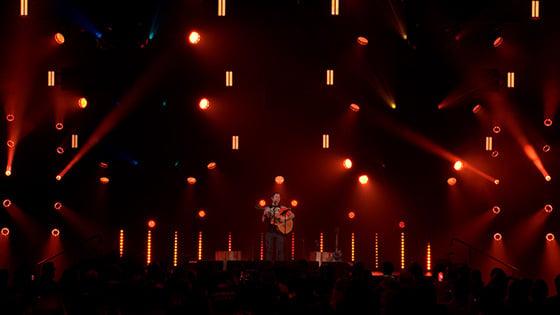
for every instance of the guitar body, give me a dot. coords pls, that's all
(283, 225)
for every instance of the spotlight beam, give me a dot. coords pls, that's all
(140, 88)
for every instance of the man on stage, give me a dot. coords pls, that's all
(279, 222)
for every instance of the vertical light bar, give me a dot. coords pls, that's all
(51, 81)
(511, 80)
(121, 243)
(235, 142)
(199, 257)
(326, 141)
(229, 78)
(261, 256)
(428, 257)
(74, 141)
(175, 247)
(229, 242)
(352, 247)
(488, 143)
(402, 251)
(330, 77)
(221, 7)
(293, 253)
(23, 10)
(535, 10)
(376, 251)
(321, 239)
(334, 7)
(149, 248)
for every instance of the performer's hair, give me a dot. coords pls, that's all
(274, 193)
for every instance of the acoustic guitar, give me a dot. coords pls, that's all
(284, 224)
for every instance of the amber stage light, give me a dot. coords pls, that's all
(204, 104)
(6, 203)
(354, 107)
(347, 164)
(351, 215)
(201, 213)
(151, 224)
(82, 102)
(211, 165)
(363, 179)
(59, 38)
(262, 203)
(362, 40)
(279, 180)
(104, 180)
(497, 237)
(191, 180)
(548, 178)
(194, 37)
(458, 165)
(294, 203)
(451, 181)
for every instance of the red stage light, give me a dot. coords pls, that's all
(59, 38)
(497, 237)
(550, 237)
(7, 203)
(103, 164)
(495, 153)
(59, 126)
(55, 232)
(104, 180)
(476, 108)
(496, 129)
(402, 225)
(362, 40)
(57, 205)
(11, 143)
(363, 179)
(451, 181)
(211, 165)
(5, 231)
(279, 180)
(496, 209)
(204, 104)
(201, 213)
(548, 122)
(262, 203)
(548, 208)
(194, 37)
(351, 215)
(58, 177)
(496, 181)
(546, 148)
(151, 224)
(10, 117)
(60, 150)
(458, 165)
(347, 164)
(191, 180)
(498, 41)
(294, 203)
(354, 107)
(82, 102)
